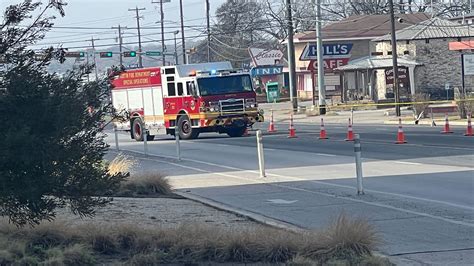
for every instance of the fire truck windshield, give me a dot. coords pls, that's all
(224, 84)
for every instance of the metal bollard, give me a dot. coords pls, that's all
(352, 115)
(261, 159)
(358, 160)
(145, 140)
(178, 146)
(116, 138)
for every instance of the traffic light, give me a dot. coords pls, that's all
(106, 54)
(75, 54)
(130, 54)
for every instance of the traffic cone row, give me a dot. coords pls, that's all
(400, 135)
(292, 131)
(350, 133)
(446, 129)
(469, 126)
(271, 127)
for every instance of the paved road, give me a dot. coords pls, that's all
(419, 195)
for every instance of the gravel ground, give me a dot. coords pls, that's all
(163, 212)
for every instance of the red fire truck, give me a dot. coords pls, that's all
(209, 97)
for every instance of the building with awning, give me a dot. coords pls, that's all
(437, 67)
(352, 37)
(367, 67)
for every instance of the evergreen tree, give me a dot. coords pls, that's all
(52, 145)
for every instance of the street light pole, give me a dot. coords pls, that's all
(394, 60)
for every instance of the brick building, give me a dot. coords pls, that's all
(427, 44)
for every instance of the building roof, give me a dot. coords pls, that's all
(469, 15)
(377, 62)
(434, 28)
(361, 27)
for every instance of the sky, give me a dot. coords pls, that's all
(105, 14)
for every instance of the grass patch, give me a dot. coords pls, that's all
(346, 242)
(150, 184)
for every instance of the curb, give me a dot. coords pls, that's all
(252, 216)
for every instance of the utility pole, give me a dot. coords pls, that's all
(319, 40)
(140, 59)
(208, 31)
(120, 42)
(95, 60)
(291, 57)
(183, 44)
(175, 48)
(394, 60)
(162, 33)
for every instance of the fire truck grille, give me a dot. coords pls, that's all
(230, 107)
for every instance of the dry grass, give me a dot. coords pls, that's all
(346, 241)
(121, 164)
(150, 184)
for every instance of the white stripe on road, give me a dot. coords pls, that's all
(409, 163)
(261, 181)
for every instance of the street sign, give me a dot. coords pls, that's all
(333, 50)
(266, 71)
(447, 86)
(153, 53)
(264, 57)
(329, 64)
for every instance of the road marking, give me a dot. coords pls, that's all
(326, 155)
(409, 163)
(222, 145)
(281, 201)
(261, 181)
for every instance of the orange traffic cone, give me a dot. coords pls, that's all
(350, 133)
(469, 126)
(292, 131)
(446, 129)
(400, 135)
(271, 127)
(322, 133)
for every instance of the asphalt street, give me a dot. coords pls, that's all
(419, 195)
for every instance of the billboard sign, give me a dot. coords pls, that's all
(333, 50)
(402, 75)
(329, 64)
(468, 63)
(266, 71)
(263, 57)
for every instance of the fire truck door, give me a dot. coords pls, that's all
(157, 105)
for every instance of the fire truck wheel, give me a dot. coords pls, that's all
(186, 131)
(137, 127)
(236, 132)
